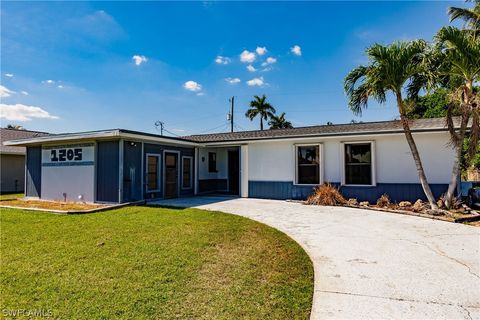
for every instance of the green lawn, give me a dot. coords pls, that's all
(146, 262)
(9, 196)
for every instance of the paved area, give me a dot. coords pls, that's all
(374, 265)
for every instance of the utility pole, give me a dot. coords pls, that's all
(159, 124)
(232, 101)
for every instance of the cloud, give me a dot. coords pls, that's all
(256, 82)
(222, 60)
(60, 86)
(201, 94)
(48, 81)
(233, 80)
(251, 68)
(270, 60)
(25, 93)
(247, 56)
(139, 59)
(261, 50)
(296, 50)
(5, 92)
(192, 86)
(9, 75)
(21, 112)
(98, 25)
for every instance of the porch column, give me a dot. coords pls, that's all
(244, 171)
(195, 173)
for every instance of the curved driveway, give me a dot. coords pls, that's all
(373, 265)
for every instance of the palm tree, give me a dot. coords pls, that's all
(470, 16)
(260, 107)
(456, 61)
(394, 69)
(279, 122)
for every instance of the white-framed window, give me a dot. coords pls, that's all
(187, 172)
(358, 163)
(153, 172)
(308, 164)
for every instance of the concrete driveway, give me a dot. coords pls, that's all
(373, 265)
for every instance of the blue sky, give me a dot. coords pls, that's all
(95, 65)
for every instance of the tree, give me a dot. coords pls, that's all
(456, 61)
(260, 107)
(393, 68)
(15, 127)
(279, 122)
(471, 17)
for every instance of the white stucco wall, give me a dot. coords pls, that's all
(222, 164)
(274, 160)
(59, 177)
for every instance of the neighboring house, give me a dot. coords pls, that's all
(365, 160)
(12, 160)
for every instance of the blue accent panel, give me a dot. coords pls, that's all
(107, 171)
(396, 191)
(34, 172)
(132, 171)
(68, 164)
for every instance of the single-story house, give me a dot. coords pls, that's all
(12, 159)
(365, 160)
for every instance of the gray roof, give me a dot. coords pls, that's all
(13, 134)
(394, 126)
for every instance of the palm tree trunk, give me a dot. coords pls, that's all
(418, 163)
(261, 123)
(452, 186)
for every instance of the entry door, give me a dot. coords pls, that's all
(233, 172)
(171, 175)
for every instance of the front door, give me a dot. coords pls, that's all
(233, 172)
(171, 175)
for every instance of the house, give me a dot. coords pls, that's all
(12, 160)
(365, 160)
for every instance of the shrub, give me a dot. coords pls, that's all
(326, 195)
(383, 201)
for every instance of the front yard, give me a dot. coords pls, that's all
(144, 262)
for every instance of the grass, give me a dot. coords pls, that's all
(146, 262)
(49, 205)
(9, 196)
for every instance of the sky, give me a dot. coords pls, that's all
(81, 66)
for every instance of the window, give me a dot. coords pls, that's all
(153, 173)
(186, 172)
(308, 164)
(212, 162)
(358, 163)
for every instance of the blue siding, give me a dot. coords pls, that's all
(33, 172)
(396, 191)
(107, 171)
(132, 171)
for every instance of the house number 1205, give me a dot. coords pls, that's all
(66, 155)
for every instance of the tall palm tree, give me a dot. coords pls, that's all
(456, 60)
(393, 68)
(260, 107)
(279, 122)
(470, 16)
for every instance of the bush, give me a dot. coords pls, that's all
(383, 201)
(326, 195)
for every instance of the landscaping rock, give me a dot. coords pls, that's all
(352, 202)
(404, 204)
(365, 203)
(418, 206)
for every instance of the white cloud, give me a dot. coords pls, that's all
(233, 80)
(251, 68)
(270, 60)
(9, 75)
(139, 59)
(261, 50)
(21, 112)
(60, 86)
(296, 50)
(247, 56)
(5, 92)
(256, 82)
(25, 93)
(201, 94)
(192, 86)
(48, 81)
(222, 60)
